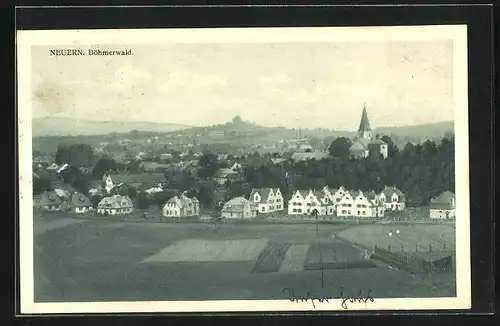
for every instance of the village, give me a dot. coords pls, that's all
(121, 194)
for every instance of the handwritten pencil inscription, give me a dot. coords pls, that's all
(360, 297)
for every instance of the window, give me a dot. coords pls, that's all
(344, 212)
(294, 210)
(359, 213)
(358, 205)
(299, 210)
(308, 210)
(349, 212)
(263, 209)
(364, 213)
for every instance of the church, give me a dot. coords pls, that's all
(365, 144)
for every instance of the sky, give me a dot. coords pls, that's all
(307, 85)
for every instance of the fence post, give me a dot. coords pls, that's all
(402, 248)
(389, 248)
(416, 248)
(444, 246)
(430, 247)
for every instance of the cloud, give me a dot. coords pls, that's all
(126, 77)
(275, 79)
(193, 80)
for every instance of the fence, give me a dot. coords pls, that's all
(418, 261)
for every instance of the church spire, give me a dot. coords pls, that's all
(364, 130)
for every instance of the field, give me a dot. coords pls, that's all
(408, 238)
(91, 260)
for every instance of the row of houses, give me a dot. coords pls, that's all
(332, 202)
(327, 201)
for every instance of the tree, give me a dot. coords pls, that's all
(74, 177)
(95, 199)
(237, 189)
(340, 147)
(206, 193)
(77, 155)
(61, 154)
(143, 200)
(209, 165)
(41, 184)
(314, 142)
(105, 164)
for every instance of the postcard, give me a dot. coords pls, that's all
(243, 169)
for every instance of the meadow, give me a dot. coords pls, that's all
(99, 260)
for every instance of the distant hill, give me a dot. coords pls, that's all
(238, 129)
(428, 130)
(236, 135)
(74, 127)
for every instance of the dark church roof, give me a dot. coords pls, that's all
(364, 125)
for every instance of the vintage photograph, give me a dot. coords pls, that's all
(271, 169)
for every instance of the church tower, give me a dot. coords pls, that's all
(364, 130)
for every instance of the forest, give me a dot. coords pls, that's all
(421, 171)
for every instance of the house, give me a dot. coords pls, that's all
(80, 203)
(53, 167)
(155, 189)
(62, 193)
(366, 205)
(392, 198)
(225, 174)
(305, 147)
(443, 206)
(268, 200)
(120, 189)
(377, 204)
(50, 201)
(305, 156)
(345, 206)
(364, 144)
(96, 191)
(166, 156)
(308, 202)
(239, 207)
(141, 156)
(335, 194)
(236, 167)
(37, 202)
(152, 167)
(62, 167)
(360, 204)
(115, 205)
(278, 160)
(181, 206)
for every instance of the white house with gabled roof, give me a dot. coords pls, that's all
(392, 198)
(268, 200)
(310, 202)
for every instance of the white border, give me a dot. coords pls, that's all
(456, 33)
